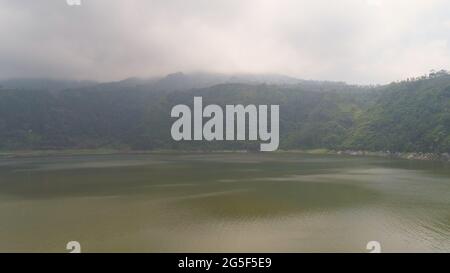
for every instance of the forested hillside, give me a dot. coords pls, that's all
(409, 116)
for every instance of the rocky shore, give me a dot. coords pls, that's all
(414, 156)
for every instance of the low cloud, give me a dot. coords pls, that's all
(358, 41)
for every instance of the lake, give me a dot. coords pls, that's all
(223, 202)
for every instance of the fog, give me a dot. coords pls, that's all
(357, 41)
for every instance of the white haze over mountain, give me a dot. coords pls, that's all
(358, 41)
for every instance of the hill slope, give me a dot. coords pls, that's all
(405, 117)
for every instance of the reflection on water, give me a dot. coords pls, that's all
(235, 202)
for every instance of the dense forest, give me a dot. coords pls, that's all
(407, 116)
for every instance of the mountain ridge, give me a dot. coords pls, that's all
(408, 116)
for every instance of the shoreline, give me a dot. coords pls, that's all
(442, 157)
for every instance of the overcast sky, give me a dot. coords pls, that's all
(357, 41)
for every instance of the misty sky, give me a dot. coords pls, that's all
(357, 41)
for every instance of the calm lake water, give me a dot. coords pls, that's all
(238, 202)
